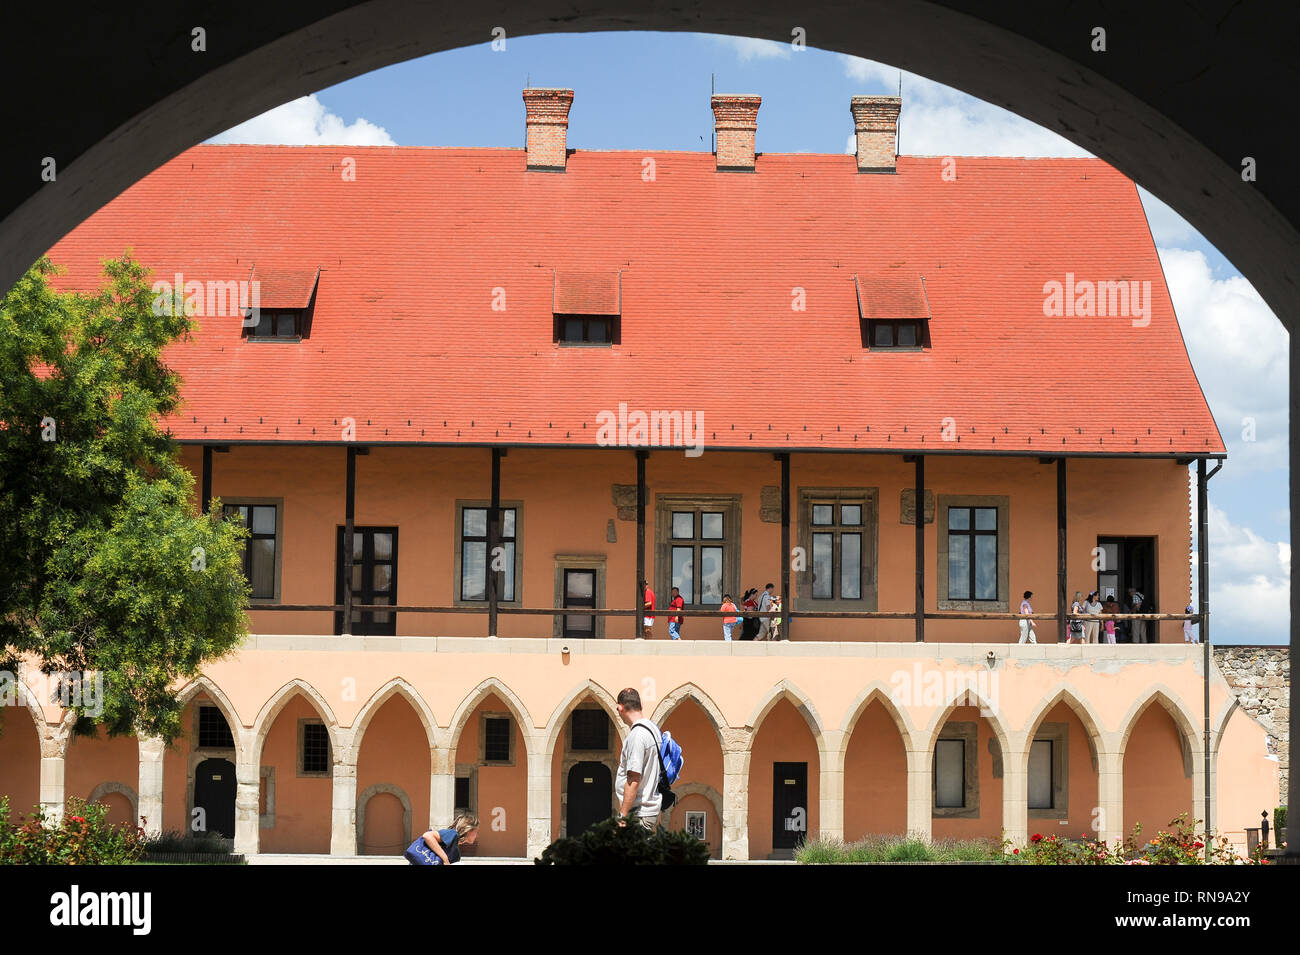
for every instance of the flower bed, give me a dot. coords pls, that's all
(80, 837)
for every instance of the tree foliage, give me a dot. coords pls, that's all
(106, 564)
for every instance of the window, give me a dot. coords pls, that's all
(313, 748)
(697, 549)
(579, 591)
(837, 530)
(498, 735)
(472, 559)
(590, 728)
(374, 580)
(586, 329)
(260, 555)
(973, 554)
(214, 731)
(278, 325)
(462, 799)
(950, 774)
(1040, 774)
(901, 335)
(579, 582)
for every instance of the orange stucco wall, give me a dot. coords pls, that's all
(98, 759)
(1156, 787)
(875, 777)
(1245, 760)
(988, 824)
(20, 761)
(566, 504)
(783, 737)
(502, 798)
(302, 804)
(1081, 794)
(394, 752)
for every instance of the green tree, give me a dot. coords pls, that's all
(105, 562)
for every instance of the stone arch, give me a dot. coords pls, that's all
(1177, 711)
(1069, 695)
(492, 687)
(1226, 712)
(205, 685)
(987, 712)
(271, 709)
(394, 687)
(575, 696)
(103, 789)
(692, 789)
(787, 690)
(689, 691)
(876, 692)
(364, 798)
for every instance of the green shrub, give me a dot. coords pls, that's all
(895, 848)
(80, 837)
(1279, 825)
(173, 841)
(608, 843)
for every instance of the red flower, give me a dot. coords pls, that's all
(1036, 837)
(76, 819)
(1015, 852)
(1198, 845)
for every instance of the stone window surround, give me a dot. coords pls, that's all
(572, 757)
(1003, 504)
(278, 502)
(664, 505)
(594, 562)
(266, 820)
(1059, 735)
(329, 758)
(968, 732)
(870, 497)
(468, 771)
(458, 548)
(482, 739)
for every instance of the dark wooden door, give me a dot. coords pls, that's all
(374, 579)
(789, 804)
(1129, 562)
(590, 799)
(214, 793)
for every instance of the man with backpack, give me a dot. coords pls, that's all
(642, 780)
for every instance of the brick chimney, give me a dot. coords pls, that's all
(735, 119)
(875, 120)
(546, 118)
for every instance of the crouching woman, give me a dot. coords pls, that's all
(442, 846)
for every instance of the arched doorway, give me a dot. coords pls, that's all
(784, 790)
(214, 796)
(875, 776)
(699, 786)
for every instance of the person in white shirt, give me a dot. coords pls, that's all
(1189, 635)
(764, 604)
(637, 782)
(1138, 628)
(1092, 627)
(1027, 632)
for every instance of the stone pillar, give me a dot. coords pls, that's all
(830, 823)
(735, 793)
(150, 804)
(343, 812)
(539, 796)
(920, 793)
(1015, 791)
(52, 771)
(442, 790)
(1110, 795)
(248, 787)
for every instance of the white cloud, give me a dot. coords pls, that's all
(1239, 351)
(940, 121)
(1168, 228)
(1250, 584)
(305, 122)
(751, 48)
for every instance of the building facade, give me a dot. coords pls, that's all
(483, 386)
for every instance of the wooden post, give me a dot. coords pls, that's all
(493, 542)
(349, 512)
(787, 598)
(920, 548)
(207, 477)
(1203, 599)
(641, 456)
(1062, 604)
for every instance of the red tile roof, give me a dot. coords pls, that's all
(432, 320)
(887, 296)
(586, 293)
(285, 288)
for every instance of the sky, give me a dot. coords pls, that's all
(651, 90)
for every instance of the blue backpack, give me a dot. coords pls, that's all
(671, 761)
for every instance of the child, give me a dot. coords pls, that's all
(442, 846)
(728, 622)
(1110, 606)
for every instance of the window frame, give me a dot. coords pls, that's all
(482, 739)
(304, 773)
(1058, 734)
(363, 531)
(198, 735)
(299, 316)
(1002, 503)
(967, 732)
(278, 504)
(729, 506)
(922, 326)
(610, 731)
(869, 529)
(612, 323)
(458, 543)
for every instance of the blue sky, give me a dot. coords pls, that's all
(651, 90)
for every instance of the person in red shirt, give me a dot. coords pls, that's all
(648, 620)
(675, 602)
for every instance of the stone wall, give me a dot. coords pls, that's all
(1260, 678)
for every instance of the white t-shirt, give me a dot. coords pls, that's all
(641, 755)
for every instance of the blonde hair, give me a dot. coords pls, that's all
(464, 822)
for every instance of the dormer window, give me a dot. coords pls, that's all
(284, 300)
(894, 312)
(587, 307)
